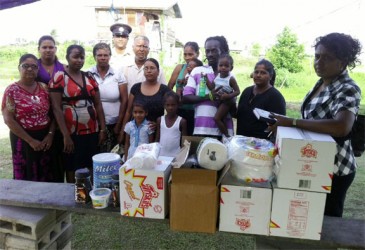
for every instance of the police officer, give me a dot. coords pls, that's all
(120, 55)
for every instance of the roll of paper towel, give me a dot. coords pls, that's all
(212, 154)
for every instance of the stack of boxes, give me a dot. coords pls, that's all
(33, 228)
(293, 206)
(304, 168)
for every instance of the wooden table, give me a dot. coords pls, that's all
(336, 232)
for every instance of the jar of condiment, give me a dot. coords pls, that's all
(82, 185)
(115, 190)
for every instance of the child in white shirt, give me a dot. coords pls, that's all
(171, 127)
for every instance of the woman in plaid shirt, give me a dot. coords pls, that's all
(331, 108)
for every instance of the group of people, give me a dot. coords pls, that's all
(56, 108)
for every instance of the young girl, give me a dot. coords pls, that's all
(137, 130)
(228, 90)
(170, 127)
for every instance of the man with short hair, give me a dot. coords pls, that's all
(121, 56)
(134, 71)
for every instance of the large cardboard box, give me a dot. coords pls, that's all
(297, 213)
(245, 207)
(143, 192)
(194, 197)
(305, 160)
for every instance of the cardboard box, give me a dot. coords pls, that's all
(245, 207)
(195, 196)
(297, 213)
(305, 160)
(143, 192)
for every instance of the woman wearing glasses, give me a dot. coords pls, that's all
(150, 92)
(25, 108)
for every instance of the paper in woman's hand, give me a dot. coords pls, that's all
(264, 115)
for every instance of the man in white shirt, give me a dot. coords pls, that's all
(134, 71)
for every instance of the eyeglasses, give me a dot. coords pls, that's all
(27, 66)
(121, 36)
(141, 46)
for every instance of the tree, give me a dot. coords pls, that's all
(287, 53)
(255, 50)
(54, 33)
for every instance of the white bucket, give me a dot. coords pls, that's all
(100, 197)
(104, 166)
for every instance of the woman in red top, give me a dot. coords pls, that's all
(78, 111)
(25, 108)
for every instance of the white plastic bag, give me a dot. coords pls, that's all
(145, 156)
(252, 158)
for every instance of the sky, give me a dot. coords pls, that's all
(242, 22)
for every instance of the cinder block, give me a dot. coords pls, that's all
(67, 247)
(58, 242)
(29, 223)
(62, 222)
(2, 240)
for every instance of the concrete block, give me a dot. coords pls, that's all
(58, 242)
(2, 240)
(30, 223)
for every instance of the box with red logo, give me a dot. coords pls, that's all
(244, 207)
(143, 192)
(305, 160)
(297, 213)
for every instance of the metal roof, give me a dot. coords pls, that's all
(169, 7)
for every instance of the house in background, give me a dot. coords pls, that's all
(151, 18)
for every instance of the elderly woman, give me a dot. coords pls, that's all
(78, 111)
(331, 107)
(150, 92)
(114, 101)
(25, 108)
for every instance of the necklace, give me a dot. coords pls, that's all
(33, 97)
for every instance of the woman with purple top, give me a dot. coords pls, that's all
(48, 63)
(48, 66)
